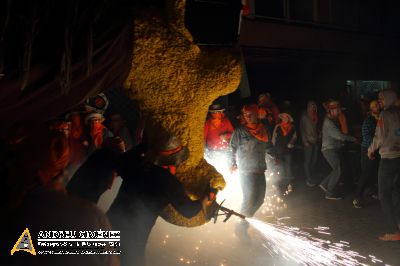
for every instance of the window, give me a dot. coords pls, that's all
(301, 9)
(270, 8)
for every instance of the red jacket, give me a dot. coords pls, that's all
(217, 137)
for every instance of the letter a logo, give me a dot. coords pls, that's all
(24, 243)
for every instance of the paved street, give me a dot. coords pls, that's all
(216, 244)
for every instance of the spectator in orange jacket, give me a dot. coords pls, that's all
(217, 130)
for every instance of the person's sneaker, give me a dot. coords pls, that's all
(390, 237)
(375, 196)
(333, 197)
(310, 184)
(323, 188)
(357, 204)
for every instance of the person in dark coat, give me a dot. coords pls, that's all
(309, 136)
(146, 190)
(95, 176)
(369, 168)
(284, 138)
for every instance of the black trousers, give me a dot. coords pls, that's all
(310, 161)
(389, 192)
(369, 172)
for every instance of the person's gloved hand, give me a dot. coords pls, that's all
(206, 201)
(116, 144)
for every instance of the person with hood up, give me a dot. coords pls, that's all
(369, 168)
(309, 136)
(217, 130)
(332, 139)
(283, 139)
(387, 141)
(248, 144)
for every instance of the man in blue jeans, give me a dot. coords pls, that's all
(247, 155)
(332, 139)
(387, 140)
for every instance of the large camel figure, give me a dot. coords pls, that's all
(174, 82)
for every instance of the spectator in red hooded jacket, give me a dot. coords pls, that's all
(217, 130)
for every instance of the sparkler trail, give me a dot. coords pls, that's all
(291, 243)
(301, 247)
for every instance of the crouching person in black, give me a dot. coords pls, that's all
(146, 190)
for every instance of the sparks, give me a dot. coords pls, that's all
(301, 247)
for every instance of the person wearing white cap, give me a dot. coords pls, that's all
(97, 131)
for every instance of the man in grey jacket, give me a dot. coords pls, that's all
(247, 154)
(309, 136)
(387, 140)
(332, 139)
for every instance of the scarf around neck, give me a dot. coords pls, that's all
(97, 135)
(259, 132)
(286, 128)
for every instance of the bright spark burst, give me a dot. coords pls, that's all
(291, 243)
(296, 245)
(232, 193)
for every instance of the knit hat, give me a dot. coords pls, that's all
(171, 153)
